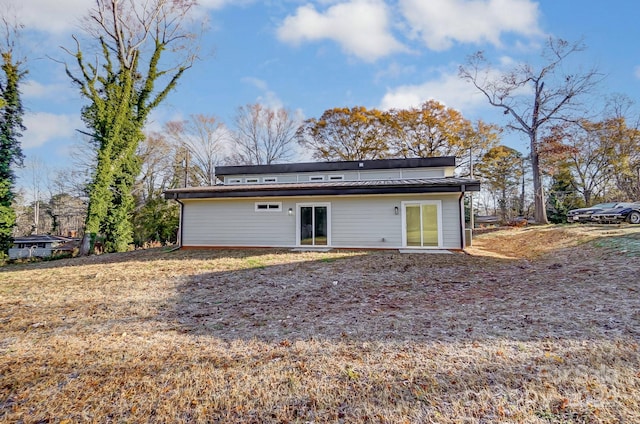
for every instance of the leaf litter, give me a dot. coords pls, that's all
(531, 325)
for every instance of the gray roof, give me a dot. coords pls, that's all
(329, 188)
(40, 238)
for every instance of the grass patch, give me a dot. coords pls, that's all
(628, 246)
(273, 336)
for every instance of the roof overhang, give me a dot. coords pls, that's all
(343, 188)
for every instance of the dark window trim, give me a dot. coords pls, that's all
(268, 207)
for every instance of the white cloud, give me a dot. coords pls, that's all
(219, 4)
(440, 23)
(637, 72)
(448, 89)
(43, 127)
(395, 70)
(62, 16)
(268, 98)
(160, 116)
(51, 16)
(361, 27)
(32, 89)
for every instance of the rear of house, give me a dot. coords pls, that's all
(388, 204)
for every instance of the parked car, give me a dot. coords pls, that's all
(584, 214)
(622, 212)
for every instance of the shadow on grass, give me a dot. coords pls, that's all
(106, 345)
(585, 292)
(385, 296)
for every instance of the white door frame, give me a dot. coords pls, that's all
(404, 205)
(299, 215)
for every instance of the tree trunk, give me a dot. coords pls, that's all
(503, 206)
(85, 245)
(540, 212)
(521, 205)
(587, 197)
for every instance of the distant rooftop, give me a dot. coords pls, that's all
(40, 238)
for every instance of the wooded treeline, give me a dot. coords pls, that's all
(114, 191)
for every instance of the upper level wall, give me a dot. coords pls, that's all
(349, 175)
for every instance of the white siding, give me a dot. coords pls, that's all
(352, 175)
(451, 232)
(281, 178)
(423, 173)
(26, 252)
(356, 221)
(230, 222)
(364, 221)
(382, 174)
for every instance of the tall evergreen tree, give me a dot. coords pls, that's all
(11, 128)
(562, 195)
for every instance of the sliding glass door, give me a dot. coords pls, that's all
(313, 225)
(422, 224)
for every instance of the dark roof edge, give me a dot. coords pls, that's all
(472, 185)
(282, 168)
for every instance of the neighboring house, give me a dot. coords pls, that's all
(41, 246)
(389, 204)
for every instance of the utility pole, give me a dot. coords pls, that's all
(186, 166)
(522, 191)
(471, 218)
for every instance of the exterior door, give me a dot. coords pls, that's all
(313, 224)
(421, 222)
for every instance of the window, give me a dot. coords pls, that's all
(269, 207)
(270, 180)
(314, 224)
(336, 177)
(316, 178)
(235, 180)
(252, 180)
(31, 245)
(422, 223)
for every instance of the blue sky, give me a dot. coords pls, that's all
(309, 56)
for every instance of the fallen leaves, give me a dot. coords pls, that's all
(266, 336)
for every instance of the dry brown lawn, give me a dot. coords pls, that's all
(534, 325)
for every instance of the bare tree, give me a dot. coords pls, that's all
(621, 132)
(263, 135)
(500, 168)
(203, 138)
(535, 98)
(157, 157)
(36, 175)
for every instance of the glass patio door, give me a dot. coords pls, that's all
(313, 225)
(421, 225)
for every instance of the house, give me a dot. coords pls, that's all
(389, 204)
(40, 246)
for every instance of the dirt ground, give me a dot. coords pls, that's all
(539, 282)
(531, 325)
